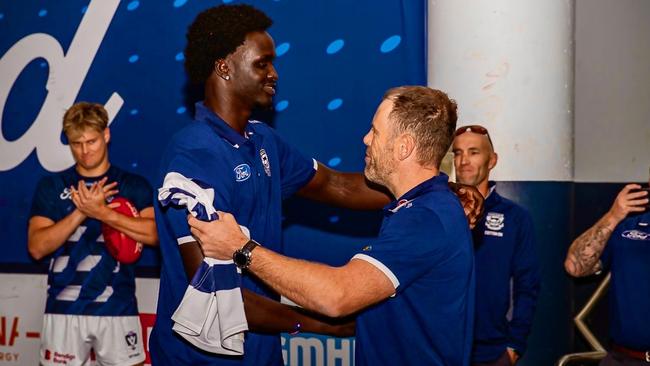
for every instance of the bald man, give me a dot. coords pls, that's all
(507, 274)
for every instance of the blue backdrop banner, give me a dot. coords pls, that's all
(335, 60)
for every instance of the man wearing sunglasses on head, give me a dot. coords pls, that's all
(505, 257)
(620, 242)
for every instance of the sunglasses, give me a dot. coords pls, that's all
(476, 129)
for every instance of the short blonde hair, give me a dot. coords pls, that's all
(84, 115)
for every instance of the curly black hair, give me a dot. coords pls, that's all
(217, 32)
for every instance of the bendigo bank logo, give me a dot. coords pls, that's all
(68, 70)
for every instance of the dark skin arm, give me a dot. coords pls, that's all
(348, 190)
(268, 316)
(354, 191)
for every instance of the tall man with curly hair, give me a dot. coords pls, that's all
(249, 169)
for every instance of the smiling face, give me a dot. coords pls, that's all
(250, 68)
(473, 159)
(380, 162)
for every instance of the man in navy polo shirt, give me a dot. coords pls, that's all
(505, 257)
(620, 242)
(414, 285)
(245, 168)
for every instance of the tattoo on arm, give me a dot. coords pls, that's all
(584, 254)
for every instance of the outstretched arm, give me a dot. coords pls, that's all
(318, 287)
(269, 316)
(583, 258)
(354, 191)
(349, 190)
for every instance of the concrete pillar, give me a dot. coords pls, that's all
(509, 65)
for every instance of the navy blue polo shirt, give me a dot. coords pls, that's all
(250, 176)
(505, 256)
(627, 255)
(83, 278)
(425, 248)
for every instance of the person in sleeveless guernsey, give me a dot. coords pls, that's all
(91, 300)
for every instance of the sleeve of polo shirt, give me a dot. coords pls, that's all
(606, 257)
(200, 165)
(296, 169)
(407, 247)
(43, 202)
(140, 192)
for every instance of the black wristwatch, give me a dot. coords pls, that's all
(243, 257)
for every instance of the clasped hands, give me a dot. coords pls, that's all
(91, 201)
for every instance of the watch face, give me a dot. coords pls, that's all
(240, 259)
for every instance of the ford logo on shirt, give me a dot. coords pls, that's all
(636, 235)
(242, 172)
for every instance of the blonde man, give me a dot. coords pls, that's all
(91, 296)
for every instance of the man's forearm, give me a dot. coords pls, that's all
(269, 316)
(265, 315)
(584, 254)
(44, 240)
(311, 285)
(349, 190)
(141, 229)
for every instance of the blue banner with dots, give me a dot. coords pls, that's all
(335, 60)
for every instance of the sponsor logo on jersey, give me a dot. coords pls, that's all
(131, 339)
(636, 235)
(242, 172)
(56, 357)
(265, 162)
(494, 221)
(66, 194)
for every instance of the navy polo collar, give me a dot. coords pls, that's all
(220, 126)
(493, 198)
(437, 183)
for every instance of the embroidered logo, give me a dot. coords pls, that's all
(242, 172)
(66, 194)
(403, 203)
(636, 235)
(131, 339)
(494, 221)
(265, 162)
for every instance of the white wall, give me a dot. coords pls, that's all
(509, 65)
(612, 90)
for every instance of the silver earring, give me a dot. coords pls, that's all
(227, 77)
